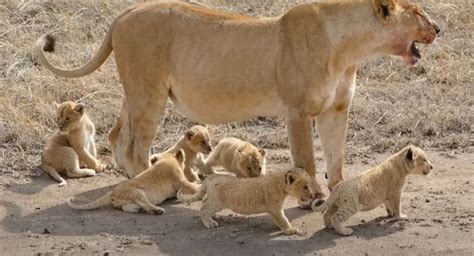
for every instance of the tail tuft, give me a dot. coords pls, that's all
(49, 43)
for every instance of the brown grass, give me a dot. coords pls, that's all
(431, 105)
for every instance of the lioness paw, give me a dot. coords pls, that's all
(62, 183)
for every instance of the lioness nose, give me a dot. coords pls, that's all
(437, 28)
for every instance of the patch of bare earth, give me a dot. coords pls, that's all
(430, 105)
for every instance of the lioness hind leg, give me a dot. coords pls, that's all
(54, 174)
(341, 215)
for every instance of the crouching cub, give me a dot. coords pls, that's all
(251, 196)
(195, 142)
(236, 156)
(380, 185)
(72, 147)
(151, 187)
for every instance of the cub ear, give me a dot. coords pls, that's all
(241, 148)
(56, 105)
(262, 152)
(189, 135)
(180, 156)
(79, 108)
(290, 177)
(410, 155)
(384, 8)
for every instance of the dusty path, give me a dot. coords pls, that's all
(34, 219)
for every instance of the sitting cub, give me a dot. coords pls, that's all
(238, 157)
(149, 188)
(195, 141)
(251, 196)
(380, 185)
(72, 147)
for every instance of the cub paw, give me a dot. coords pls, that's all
(101, 167)
(210, 223)
(62, 183)
(401, 216)
(345, 231)
(158, 211)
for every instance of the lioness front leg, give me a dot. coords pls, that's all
(300, 137)
(332, 127)
(283, 223)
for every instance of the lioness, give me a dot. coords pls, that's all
(195, 142)
(251, 196)
(73, 146)
(219, 67)
(151, 187)
(238, 157)
(380, 185)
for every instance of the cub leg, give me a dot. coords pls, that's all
(208, 210)
(341, 215)
(389, 208)
(80, 173)
(327, 216)
(188, 172)
(142, 200)
(132, 208)
(54, 174)
(283, 223)
(211, 161)
(394, 200)
(188, 187)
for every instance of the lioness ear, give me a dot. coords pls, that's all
(410, 155)
(384, 8)
(262, 152)
(180, 156)
(79, 108)
(289, 176)
(189, 135)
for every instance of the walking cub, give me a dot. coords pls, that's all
(72, 147)
(251, 196)
(379, 185)
(238, 157)
(149, 188)
(195, 142)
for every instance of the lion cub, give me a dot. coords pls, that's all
(238, 157)
(149, 188)
(251, 196)
(72, 147)
(195, 142)
(379, 185)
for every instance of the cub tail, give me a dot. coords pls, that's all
(102, 201)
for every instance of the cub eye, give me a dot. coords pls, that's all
(248, 168)
(259, 168)
(306, 188)
(67, 119)
(203, 143)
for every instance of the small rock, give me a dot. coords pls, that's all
(46, 231)
(427, 200)
(83, 245)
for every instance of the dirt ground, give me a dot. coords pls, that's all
(36, 220)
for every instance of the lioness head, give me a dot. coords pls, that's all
(298, 184)
(198, 139)
(69, 115)
(252, 161)
(416, 161)
(407, 25)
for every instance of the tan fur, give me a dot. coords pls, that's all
(71, 148)
(380, 185)
(218, 67)
(264, 194)
(148, 189)
(238, 157)
(195, 142)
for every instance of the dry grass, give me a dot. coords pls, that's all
(431, 105)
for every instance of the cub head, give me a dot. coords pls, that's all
(298, 184)
(198, 139)
(416, 161)
(252, 160)
(407, 25)
(69, 115)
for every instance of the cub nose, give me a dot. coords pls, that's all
(431, 167)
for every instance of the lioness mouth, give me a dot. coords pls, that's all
(412, 54)
(415, 51)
